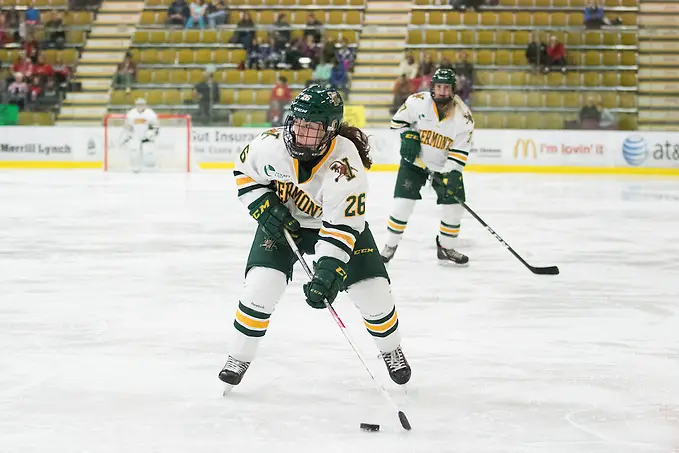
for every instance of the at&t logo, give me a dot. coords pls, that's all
(634, 150)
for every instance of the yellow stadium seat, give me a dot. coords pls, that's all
(555, 79)
(262, 97)
(453, 18)
(523, 19)
(502, 58)
(414, 36)
(467, 37)
(501, 78)
(503, 37)
(193, 37)
(573, 79)
(118, 98)
(155, 97)
(558, 19)
(195, 76)
(144, 76)
(226, 96)
(576, 19)
(239, 118)
(521, 38)
(173, 97)
(495, 120)
(470, 19)
(593, 38)
(178, 77)
(481, 99)
(627, 122)
(516, 99)
(167, 56)
(484, 57)
(611, 58)
(534, 99)
(435, 18)
(573, 100)
(353, 18)
(303, 76)
(258, 116)
(592, 79)
(433, 36)
(515, 121)
(628, 79)
(498, 99)
(573, 38)
(519, 57)
(627, 100)
(628, 19)
(541, 19)
(203, 56)
(251, 76)
(483, 77)
(489, 18)
(148, 18)
(267, 77)
(609, 99)
(417, 18)
(185, 56)
(161, 77)
(237, 55)
(592, 58)
(234, 77)
(517, 78)
(628, 58)
(628, 39)
(485, 37)
(554, 99)
(220, 56)
(506, 18)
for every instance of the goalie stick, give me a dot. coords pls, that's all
(549, 270)
(405, 423)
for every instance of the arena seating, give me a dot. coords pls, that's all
(171, 60)
(601, 62)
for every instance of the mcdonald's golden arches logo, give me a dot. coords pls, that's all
(525, 147)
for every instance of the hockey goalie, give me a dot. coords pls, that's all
(140, 131)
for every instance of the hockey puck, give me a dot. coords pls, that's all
(369, 427)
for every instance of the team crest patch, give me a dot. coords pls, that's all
(418, 96)
(407, 184)
(343, 168)
(269, 245)
(468, 117)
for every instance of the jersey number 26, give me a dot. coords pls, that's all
(356, 205)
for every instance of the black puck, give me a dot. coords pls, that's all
(369, 427)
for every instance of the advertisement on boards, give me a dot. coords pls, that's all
(648, 149)
(49, 144)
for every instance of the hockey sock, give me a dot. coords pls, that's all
(449, 227)
(398, 220)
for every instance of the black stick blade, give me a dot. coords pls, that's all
(404, 421)
(551, 270)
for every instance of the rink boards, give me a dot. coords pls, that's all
(537, 151)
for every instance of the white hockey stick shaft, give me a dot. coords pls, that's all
(404, 421)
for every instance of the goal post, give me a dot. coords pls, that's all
(169, 152)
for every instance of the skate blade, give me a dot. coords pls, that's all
(449, 263)
(227, 389)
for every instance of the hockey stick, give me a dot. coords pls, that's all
(401, 415)
(549, 270)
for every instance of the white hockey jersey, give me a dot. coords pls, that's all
(445, 144)
(329, 197)
(137, 123)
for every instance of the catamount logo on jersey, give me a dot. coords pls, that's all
(343, 168)
(287, 190)
(435, 140)
(468, 117)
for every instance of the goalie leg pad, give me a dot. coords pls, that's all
(264, 287)
(375, 302)
(450, 225)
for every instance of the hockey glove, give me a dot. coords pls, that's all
(273, 216)
(448, 185)
(328, 280)
(410, 145)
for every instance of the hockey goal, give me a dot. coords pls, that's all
(170, 151)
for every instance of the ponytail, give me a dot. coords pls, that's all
(360, 141)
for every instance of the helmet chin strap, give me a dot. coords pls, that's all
(442, 103)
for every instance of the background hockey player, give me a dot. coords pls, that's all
(141, 130)
(309, 177)
(435, 142)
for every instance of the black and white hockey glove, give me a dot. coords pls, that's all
(151, 134)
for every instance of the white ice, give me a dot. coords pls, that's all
(118, 295)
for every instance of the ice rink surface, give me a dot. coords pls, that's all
(119, 290)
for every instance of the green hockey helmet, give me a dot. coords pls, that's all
(314, 121)
(443, 77)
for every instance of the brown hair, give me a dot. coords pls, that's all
(360, 141)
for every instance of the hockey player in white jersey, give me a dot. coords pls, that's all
(309, 178)
(435, 143)
(141, 130)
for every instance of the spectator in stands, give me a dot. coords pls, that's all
(178, 13)
(462, 5)
(217, 14)
(244, 30)
(256, 54)
(18, 91)
(322, 72)
(401, 92)
(313, 28)
(590, 116)
(31, 47)
(464, 67)
(607, 120)
(126, 74)
(31, 17)
(13, 23)
(198, 9)
(5, 35)
(280, 97)
(22, 66)
(293, 54)
(464, 88)
(42, 69)
(281, 32)
(55, 33)
(446, 64)
(34, 90)
(408, 67)
(51, 94)
(594, 15)
(339, 78)
(556, 55)
(419, 82)
(309, 49)
(62, 72)
(346, 55)
(427, 67)
(536, 52)
(207, 94)
(274, 57)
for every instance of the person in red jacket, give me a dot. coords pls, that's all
(42, 69)
(556, 55)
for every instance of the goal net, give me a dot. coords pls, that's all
(169, 152)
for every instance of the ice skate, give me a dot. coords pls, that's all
(450, 254)
(388, 253)
(232, 373)
(397, 365)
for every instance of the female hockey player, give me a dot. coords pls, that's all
(436, 142)
(309, 178)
